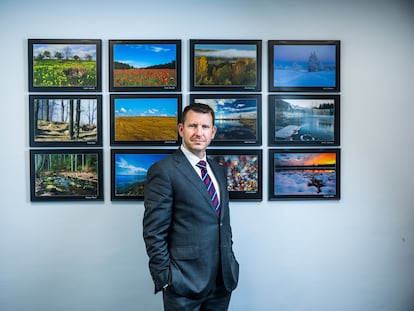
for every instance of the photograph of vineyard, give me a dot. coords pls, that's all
(225, 65)
(65, 120)
(144, 65)
(145, 119)
(65, 175)
(305, 174)
(64, 65)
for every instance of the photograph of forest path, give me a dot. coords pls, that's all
(60, 65)
(65, 120)
(68, 175)
(145, 65)
(225, 65)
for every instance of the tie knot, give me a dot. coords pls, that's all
(202, 164)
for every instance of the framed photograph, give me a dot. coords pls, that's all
(237, 118)
(225, 65)
(65, 65)
(65, 120)
(138, 119)
(304, 65)
(129, 169)
(244, 172)
(66, 175)
(144, 65)
(304, 120)
(304, 174)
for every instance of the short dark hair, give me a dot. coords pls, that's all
(198, 107)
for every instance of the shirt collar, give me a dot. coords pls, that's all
(191, 156)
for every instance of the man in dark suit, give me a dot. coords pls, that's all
(187, 232)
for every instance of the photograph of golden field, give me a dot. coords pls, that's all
(145, 118)
(145, 128)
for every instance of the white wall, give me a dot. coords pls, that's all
(354, 254)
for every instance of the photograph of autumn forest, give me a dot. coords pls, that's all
(65, 175)
(65, 120)
(225, 65)
(64, 65)
(144, 65)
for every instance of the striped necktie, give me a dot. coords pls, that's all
(209, 184)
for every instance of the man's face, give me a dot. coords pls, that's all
(197, 132)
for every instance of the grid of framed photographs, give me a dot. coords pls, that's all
(145, 104)
(226, 75)
(65, 119)
(304, 119)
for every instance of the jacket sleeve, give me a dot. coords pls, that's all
(158, 199)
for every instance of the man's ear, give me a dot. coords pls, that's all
(214, 131)
(180, 129)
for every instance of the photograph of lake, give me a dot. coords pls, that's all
(236, 118)
(306, 120)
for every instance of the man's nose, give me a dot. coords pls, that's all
(199, 129)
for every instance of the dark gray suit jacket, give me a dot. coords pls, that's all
(187, 243)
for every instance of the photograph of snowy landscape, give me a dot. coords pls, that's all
(304, 173)
(306, 66)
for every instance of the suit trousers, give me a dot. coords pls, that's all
(217, 299)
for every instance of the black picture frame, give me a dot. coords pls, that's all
(225, 65)
(65, 120)
(145, 119)
(238, 118)
(304, 65)
(65, 65)
(244, 172)
(129, 169)
(297, 174)
(66, 175)
(304, 120)
(144, 65)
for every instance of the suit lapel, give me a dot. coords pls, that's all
(184, 166)
(188, 172)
